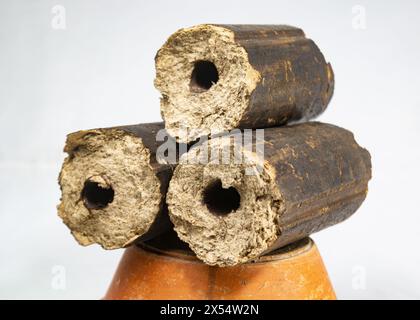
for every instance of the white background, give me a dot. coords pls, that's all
(99, 71)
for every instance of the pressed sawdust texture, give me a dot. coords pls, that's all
(226, 215)
(205, 79)
(110, 192)
(232, 209)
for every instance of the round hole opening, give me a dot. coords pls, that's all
(95, 196)
(203, 76)
(219, 200)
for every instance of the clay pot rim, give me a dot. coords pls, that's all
(283, 253)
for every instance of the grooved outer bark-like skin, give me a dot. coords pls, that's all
(296, 81)
(322, 174)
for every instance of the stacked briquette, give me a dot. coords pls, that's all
(219, 81)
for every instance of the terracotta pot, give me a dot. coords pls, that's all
(151, 271)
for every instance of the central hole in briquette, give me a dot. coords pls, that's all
(219, 200)
(203, 76)
(96, 197)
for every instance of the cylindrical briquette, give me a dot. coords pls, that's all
(312, 176)
(214, 78)
(113, 188)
